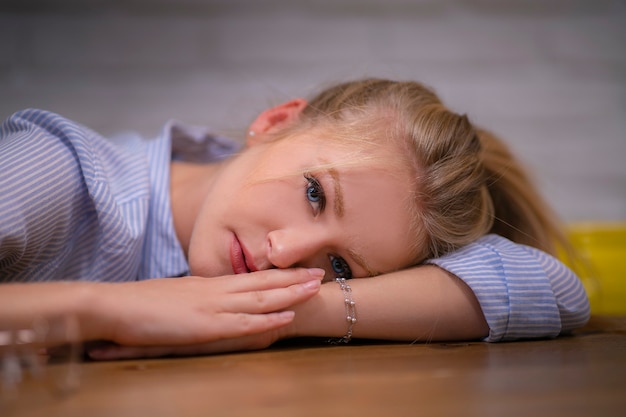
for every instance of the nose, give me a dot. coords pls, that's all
(304, 248)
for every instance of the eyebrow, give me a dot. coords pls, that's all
(359, 260)
(339, 212)
(338, 206)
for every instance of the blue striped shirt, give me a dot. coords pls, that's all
(76, 206)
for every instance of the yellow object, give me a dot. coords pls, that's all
(602, 248)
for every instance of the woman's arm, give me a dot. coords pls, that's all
(523, 292)
(496, 290)
(492, 289)
(169, 311)
(420, 304)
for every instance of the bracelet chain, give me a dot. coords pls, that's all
(350, 311)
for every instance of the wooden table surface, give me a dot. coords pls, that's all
(579, 375)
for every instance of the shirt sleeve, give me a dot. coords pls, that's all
(523, 292)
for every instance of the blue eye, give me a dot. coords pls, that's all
(340, 267)
(315, 194)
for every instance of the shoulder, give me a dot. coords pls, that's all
(36, 123)
(42, 187)
(40, 137)
(70, 196)
(35, 156)
(43, 141)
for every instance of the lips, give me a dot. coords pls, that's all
(239, 258)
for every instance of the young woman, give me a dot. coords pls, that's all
(370, 179)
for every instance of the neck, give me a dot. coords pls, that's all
(189, 184)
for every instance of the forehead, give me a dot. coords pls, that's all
(346, 150)
(377, 217)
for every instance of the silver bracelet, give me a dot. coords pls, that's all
(350, 310)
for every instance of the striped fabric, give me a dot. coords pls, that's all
(75, 206)
(523, 292)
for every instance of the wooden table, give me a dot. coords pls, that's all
(580, 375)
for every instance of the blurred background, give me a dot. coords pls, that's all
(548, 76)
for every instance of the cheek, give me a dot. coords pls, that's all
(276, 198)
(199, 247)
(206, 241)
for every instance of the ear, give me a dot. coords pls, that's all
(274, 119)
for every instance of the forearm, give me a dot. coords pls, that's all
(22, 305)
(182, 311)
(424, 304)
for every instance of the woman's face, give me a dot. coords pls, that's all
(276, 206)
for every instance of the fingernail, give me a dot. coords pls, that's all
(286, 315)
(312, 285)
(316, 272)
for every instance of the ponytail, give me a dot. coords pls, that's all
(520, 213)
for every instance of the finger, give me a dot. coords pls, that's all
(131, 352)
(234, 325)
(202, 329)
(273, 278)
(117, 352)
(266, 301)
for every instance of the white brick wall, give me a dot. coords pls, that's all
(548, 76)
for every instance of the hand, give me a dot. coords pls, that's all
(243, 343)
(308, 313)
(193, 310)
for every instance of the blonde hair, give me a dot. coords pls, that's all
(467, 183)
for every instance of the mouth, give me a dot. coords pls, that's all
(240, 260)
